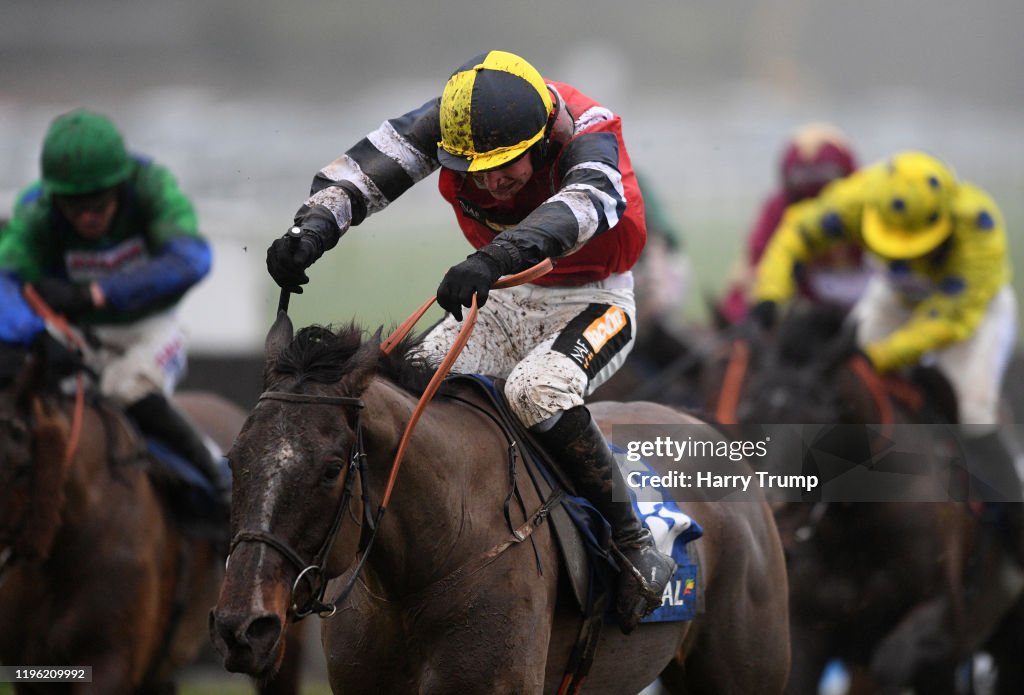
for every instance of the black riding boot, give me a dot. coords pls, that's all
(994, 481)
(579, 445)
(159, 419)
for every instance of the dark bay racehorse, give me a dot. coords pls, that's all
(446, 602)
(93, 571)
(903, 591)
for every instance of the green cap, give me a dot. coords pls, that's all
(83, 152)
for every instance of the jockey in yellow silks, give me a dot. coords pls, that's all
(941, 295)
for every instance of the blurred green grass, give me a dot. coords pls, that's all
(375, 276)
(380, 273)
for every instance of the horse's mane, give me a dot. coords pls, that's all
(326, 355)
(807, 331)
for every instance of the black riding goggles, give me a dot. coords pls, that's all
(95, 202)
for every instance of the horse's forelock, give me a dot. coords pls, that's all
(323, 355)
(319, 354)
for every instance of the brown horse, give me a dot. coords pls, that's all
(94, 572)
(445, 601)
(903, 591)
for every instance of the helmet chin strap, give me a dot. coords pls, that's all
(557, 131)
(560, 126)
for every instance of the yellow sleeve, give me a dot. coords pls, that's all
(975, 269)
(807, 229)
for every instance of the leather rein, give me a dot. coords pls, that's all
(57, 325)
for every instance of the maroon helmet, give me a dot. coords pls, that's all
(815, 155)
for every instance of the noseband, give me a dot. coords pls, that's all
(314, 572)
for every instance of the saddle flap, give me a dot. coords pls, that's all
(564, 528)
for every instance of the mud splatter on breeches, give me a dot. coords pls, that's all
(553, 345)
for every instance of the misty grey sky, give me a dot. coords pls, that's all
(967, 51)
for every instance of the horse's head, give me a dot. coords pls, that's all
(799, 375)
(810, 374)
(295, 507)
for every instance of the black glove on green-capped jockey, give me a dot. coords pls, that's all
(64, 296)
(289, 256)
(60, 359)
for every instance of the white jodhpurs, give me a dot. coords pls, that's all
(553, 345)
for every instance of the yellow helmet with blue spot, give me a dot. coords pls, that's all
(908, 210)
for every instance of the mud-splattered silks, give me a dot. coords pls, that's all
(529, 334)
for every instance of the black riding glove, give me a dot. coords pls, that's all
(763, 314)
(289, 256)
(65, 297)
(474, 276)
(60, 359)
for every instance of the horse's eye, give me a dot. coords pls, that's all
(331, 472)
(19, 432)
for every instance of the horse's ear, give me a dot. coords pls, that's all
(374, 341)
(363, 363)
(278, 337)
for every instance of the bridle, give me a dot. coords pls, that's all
(314, 571)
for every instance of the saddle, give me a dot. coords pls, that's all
(583, 536)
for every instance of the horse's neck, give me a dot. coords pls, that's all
(94, 482)
(56, 488)
(866, 399)
(432, 524)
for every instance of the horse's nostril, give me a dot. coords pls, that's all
(222, 632)
(263, 632)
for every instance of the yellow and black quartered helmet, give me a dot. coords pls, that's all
(493, 110)
(908, 211)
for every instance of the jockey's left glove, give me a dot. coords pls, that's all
(315, 231)
(69, 298)
(474, 276)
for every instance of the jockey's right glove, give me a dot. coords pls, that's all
(473, 277)
(314, 232)
(764, 314)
